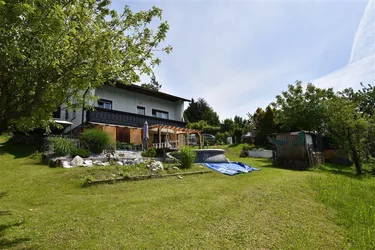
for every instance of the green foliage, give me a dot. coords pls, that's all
(301, 109)
(151, 152)
(248, 147)
(264, 122)
(201, 110)
(227, 126)
(237, 134)
(197, 125)
(210, 130)
(124, 146)
(53, 51)
(80, 152)
(153, 85)
(187, 157)
(348, 129)
(62, 146)
(221, 137)
(95, 140)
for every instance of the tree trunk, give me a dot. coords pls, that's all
(354, 153)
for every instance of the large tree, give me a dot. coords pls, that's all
(348, 129)
(201, 110)
(52, 51)
(302, 108)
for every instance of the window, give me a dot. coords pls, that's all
(160, 114)
(106, 104)
(66, 115)
(141, 110)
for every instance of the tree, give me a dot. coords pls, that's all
(228, 126)
(153, 84)
(364, 100)
(347, 128)
(201, 110)
(53, 51)
(300, 109)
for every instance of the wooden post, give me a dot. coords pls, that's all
(159, 130)
(200, 140)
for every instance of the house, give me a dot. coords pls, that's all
(122, 111)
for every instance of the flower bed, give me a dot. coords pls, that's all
(145, 170)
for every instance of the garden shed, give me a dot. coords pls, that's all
(298, 149)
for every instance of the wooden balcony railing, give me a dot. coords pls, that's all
(115, 117)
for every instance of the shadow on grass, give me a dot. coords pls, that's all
(343, 170)
(6, 243)
(18, 151)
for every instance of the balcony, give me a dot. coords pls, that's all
(115, 117)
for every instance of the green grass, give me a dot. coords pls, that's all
(45, 208)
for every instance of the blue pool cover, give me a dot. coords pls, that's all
(230, 168)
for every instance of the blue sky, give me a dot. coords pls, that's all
(239, 55)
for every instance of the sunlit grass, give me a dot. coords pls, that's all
(268, 209)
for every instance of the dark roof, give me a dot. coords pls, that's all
(144, 91)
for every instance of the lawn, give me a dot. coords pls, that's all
(47, 208)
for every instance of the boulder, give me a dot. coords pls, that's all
(98, 163)
(120, 163)
(66, 164)
(77, 161)
(87, 163)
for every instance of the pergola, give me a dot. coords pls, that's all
(176, 130)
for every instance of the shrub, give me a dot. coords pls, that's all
(124, 146)
(187, 157)
(80, 152)
(222, 137)
(151, 152)
(95, 140)
(61, 146)
(210, 130)
(248, 147)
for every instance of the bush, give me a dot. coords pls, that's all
(210, 130)
(124, 146)
(95, 140)
(187, 157)
(80, 152)
(151, 152)
(61, 146)
(222, 137)
(248, 147)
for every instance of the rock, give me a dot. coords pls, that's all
(98, 163)
(77, 161)
(120, 163)
(138, 160)
(106, 163)
(175, 168)
(179, 177)
(200, 166)
(65, 164)
(129, 162)
(87, 163)
(156, 165)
